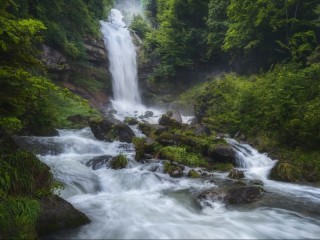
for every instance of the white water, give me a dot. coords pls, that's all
(122, 57)
(141, 202)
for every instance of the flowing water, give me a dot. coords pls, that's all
(123, 64)
(140, 201)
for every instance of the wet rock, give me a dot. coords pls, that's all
(145, 148)
(131, 121)
(193, 174)
(110, 129)
(256, 182)
(57, 214)
(246, 194)
(98, 162)
(223, 154)
(171, 119)
(236, 174)
(148, 114)
(209, 196)
(119, 162)
(78, 119)
(173, 169)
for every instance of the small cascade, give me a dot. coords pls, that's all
(258, 165)
(123, 63)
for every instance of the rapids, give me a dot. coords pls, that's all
(140, 201)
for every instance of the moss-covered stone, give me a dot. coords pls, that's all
(144, 146)
(119, 162)
(173, 170)
(236, 174)
(193, 174)
(287, 172)
(220, 167)
(131, 121)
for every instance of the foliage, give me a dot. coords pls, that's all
(22, 174)
(18, 216)
(68, 22)
(119, 162)
(189, 33)
(140, 26)
(180, 155)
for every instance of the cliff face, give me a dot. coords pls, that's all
(88, 77)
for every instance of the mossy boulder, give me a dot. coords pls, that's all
(145, 147)
(222, 153)
(236, 174)
(286, 172)
(57, 214)
(119, 162)
(193, 174)
(111, 129)
(131, 121)
(174, 170)
(171, 119)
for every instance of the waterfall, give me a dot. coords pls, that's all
(123, 62)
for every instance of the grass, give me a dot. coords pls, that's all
(180, 155)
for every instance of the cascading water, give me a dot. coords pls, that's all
(141, 202)
(122, 57)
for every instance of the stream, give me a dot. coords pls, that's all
(142, 202)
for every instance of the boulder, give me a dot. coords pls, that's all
(193, 174)
(173, 169)
(171, 119)
(148, 114)
(57, 214)
(99, 162)
(236, 174)
(222, 153)
(111, 129)
(256, 182)
(145, 148)
(131, 121)
(244, 194)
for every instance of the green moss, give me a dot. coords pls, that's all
(180, 155)
(193, 174)
(131, 121)
(221, 167)
(119, 162)
(287, 172)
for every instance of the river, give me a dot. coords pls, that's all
(142, 202)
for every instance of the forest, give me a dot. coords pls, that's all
(267, 92)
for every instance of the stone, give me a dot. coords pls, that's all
(171, 119)
(57, 214)
(223, 154)
(131, 121)
(256, 182)
(173, 169)
(148, 114)
(236, 174)
(98, 162)
(193, 174)
(244, 194)
(111, 129)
